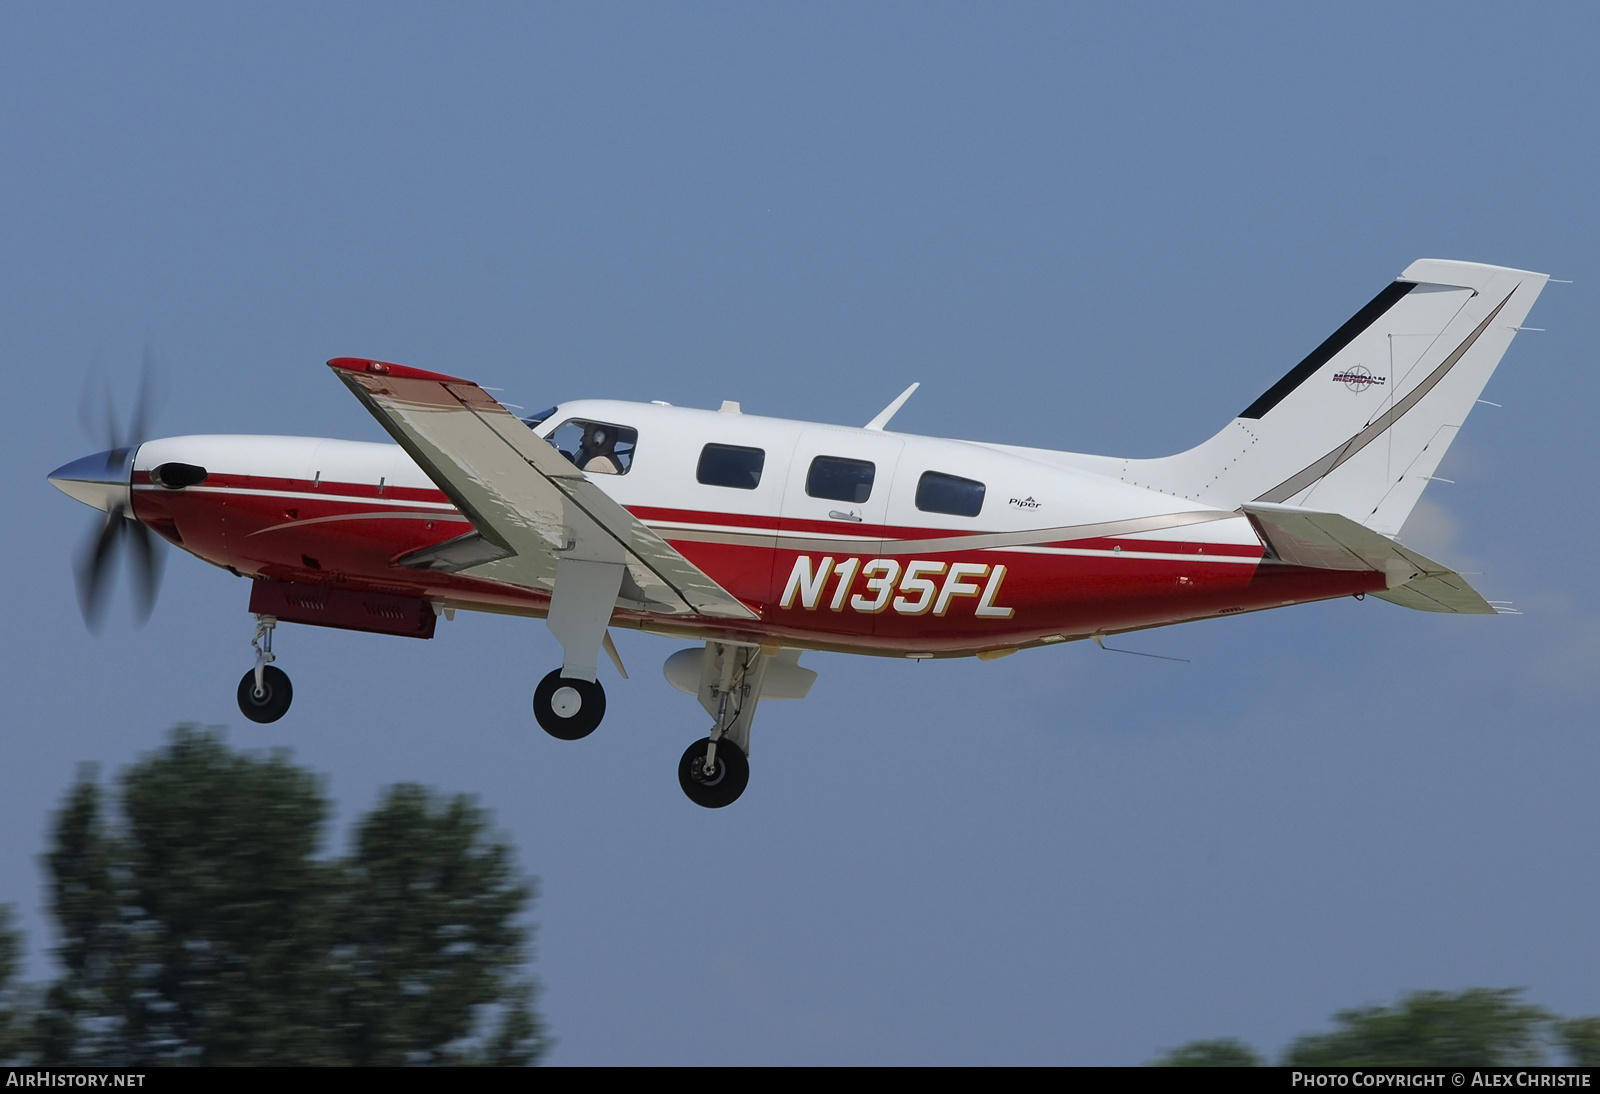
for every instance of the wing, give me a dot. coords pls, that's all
(1328, 541)
(529, 506)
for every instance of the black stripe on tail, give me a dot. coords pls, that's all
(1324, 353)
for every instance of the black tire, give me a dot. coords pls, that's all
(581, 722)
(723, 787)
(273, 702)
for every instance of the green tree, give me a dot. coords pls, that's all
(1580, 1037)
(95, 978)
(225, 902)
(428, 934)
(16, 1003)
(1479, 1027)
(202, 927)
(1223, 1052)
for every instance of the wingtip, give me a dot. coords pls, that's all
(389, 368)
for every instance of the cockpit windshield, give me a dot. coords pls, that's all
(596, 447)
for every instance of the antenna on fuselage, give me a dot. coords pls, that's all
(889, 411)
(1100, 641)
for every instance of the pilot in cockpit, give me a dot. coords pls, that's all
(597, 452)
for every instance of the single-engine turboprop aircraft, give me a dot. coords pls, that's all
(761, 538)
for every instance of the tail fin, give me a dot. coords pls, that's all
(1360, 425)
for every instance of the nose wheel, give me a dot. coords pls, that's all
(718, 783)
(269, 700)
(568, 709)
(264, 693)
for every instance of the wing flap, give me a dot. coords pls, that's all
(1328, 541)
(521, 495)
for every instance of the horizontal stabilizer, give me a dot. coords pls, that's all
(1328, 541)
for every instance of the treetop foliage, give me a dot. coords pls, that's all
(1479, 1027)
(1223, 1052)
(198, 925)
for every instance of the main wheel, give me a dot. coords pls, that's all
(568, 709)
(724, 785)
(273, 700)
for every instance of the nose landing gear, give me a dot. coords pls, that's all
(264, 692)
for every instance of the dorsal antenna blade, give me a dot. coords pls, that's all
(889, 411)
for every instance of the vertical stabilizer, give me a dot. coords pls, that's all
(1360, 425)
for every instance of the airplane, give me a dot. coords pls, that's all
(761, 538)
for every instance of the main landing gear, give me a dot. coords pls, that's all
(569, 708)
(569, 702)
(264, 692)
(728, 680)
(713, 773)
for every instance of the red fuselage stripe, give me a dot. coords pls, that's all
(959, 600)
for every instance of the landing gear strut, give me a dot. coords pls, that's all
(568, 708)
(264, 692)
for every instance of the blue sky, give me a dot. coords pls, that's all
(1106, 230)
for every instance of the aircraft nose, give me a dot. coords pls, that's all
(100, 480)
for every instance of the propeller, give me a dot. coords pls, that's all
(118, 531)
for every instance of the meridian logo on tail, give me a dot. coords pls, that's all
(1358, 379)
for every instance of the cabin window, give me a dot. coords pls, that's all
(839, 479)
(599, 448)
(730, 465)
(941, 493)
